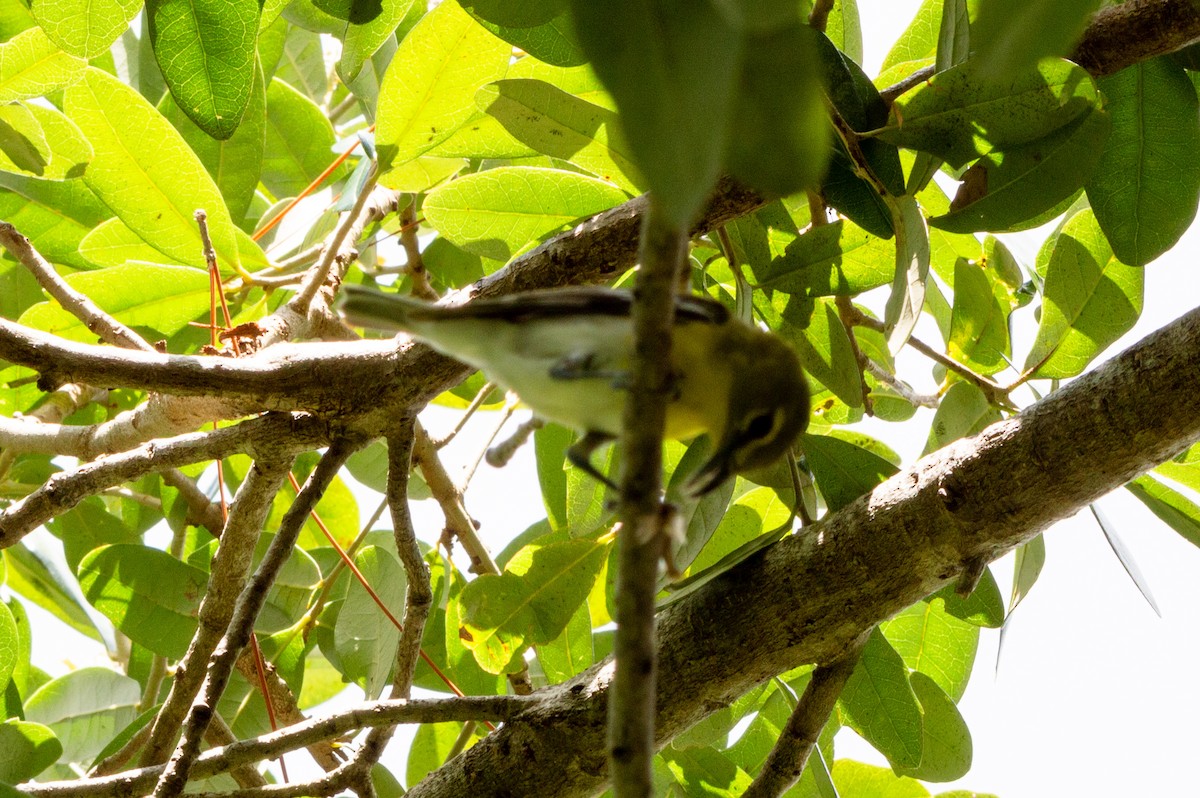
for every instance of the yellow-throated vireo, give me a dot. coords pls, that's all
(566, 353)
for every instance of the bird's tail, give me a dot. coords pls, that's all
(366, 307)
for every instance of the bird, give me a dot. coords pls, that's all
(567, 354)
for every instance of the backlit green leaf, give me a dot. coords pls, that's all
(154, 190)
(160, 298)
(205, 50)
(429, 88)
(878, 703)
(365, 637)
(1091, 299)
(843, 471)
(31, 65)
(963, 412)
(1144, 189)
(26, 749)
(979, 322)
(1019, 188)
(1172, 507)
(85, 33)
(497, 212)
(299, 142)
(360, 40)
(839, 258)
(961, 113)
(563, 126)
(946, 747)
(935, 643)
(84, 709)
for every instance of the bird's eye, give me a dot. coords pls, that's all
(760, 426)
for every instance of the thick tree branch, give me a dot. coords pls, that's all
(807, 598)
(1127, 33)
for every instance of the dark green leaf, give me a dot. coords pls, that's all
(843, 471)
(962, 113)
(525, 14)
(1144, 188)
(1022, 187)
(552, 42)
(1013, 36)
(779, 142)
(825, 348)
(672, 66)
(147, 594)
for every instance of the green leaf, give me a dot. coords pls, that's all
(1171, 507)
(844, 29)
(160, 298)
(563, 126)
(1144, 189)
(779, 143)
(705, 771)
(154, 190)
(825, 349)
(429, 88)
(1030, 557)
(1091, 299)
(526, 14)
(236, 162)
(844, 471)
(758, 511)
(963, 412)
(984, 607)
(962, 113)
(432, 746)
(86, 34)
(919, 40)
(672, 66)
(532, 602)
(979, 320)
(31, 66)
(836, 259)
(878, 703)
(26, 749)
(147, 594)
(553, 42)
(946, 748)
(84, 709)
(550, 444)
(1022, 187)
(365, 637)
(854, 779)
(55, 215)
(41, 142)
(10, 648)
(935, 643)
(1014, 36)
(571, 652)
(912, 267)
(299, 142)
(205, 50)
(498, 212)
(112, 243)
(49, 587)
(361, 40)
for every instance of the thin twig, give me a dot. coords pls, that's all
(96, 320)
(631, 709)
(787, 759)
(173, 780)
(415, 265)
(476, 402)
(911, 81)
(317, 276)
(66, 489)
(228, 574)
(847, 312)
(510, 407)
(900, 387)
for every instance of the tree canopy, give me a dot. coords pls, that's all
(203, 468)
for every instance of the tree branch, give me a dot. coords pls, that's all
(1128, 33)
(807, 598)
(277, 433)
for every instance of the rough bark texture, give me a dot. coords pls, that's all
(1126, 34)
(809, 597)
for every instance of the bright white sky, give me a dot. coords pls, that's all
(1094, 695)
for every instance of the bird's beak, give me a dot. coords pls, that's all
(715, 470)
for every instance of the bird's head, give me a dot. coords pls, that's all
(768, 408)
